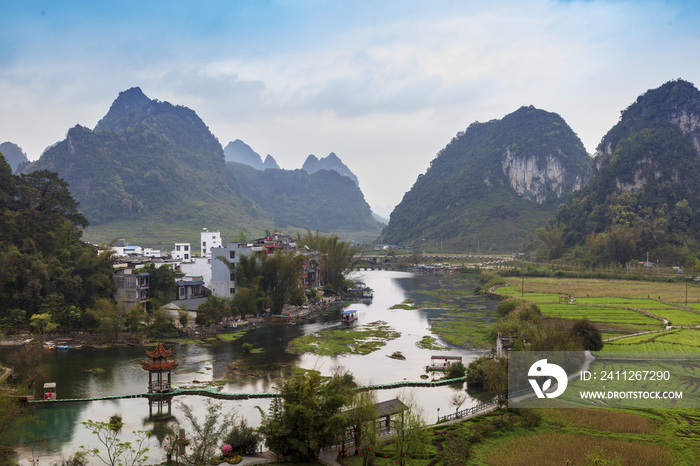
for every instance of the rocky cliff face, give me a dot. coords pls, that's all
(493, 184)
(537, 177)
(647, 179)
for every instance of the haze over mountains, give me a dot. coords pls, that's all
(14, 156)
(151, 170)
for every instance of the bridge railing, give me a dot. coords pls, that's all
(468, 412)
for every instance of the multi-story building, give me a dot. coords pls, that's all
(209, 240)
(131, 288)
(222, 278)
(182, 252)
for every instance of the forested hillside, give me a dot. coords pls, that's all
(150, 171)
(493, 185)
(644, 195)
(48, 276)
(323, 200)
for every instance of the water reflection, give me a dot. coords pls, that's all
(99, 372)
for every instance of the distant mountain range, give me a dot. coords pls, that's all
(240, 152)
(493, 185)
(14, 156)
(323, 200)
(331, 162)
(147, 168)
(153, 172)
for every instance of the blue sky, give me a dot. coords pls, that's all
(385, 85)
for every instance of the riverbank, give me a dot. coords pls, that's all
(299, 313)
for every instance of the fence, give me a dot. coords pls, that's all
(469, 412)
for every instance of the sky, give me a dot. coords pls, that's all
(383, 84)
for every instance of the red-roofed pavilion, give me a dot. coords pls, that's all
(161, 367)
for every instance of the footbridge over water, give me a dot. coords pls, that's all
(215, 392)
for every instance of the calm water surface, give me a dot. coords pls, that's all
(121, 372)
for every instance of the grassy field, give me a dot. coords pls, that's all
(558, 436)
(671, 340)
(603, 314)
(610, 301)
(580, 288)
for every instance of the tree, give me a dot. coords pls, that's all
(248, 300)
(116, 451)
(552, 239)
(204, 436)
(307, 416)
(161, 283)
(42, 323)
(588, 334)
(280, 277)
(335, 256)
(109, 322)
(162, 321)
(242, 438)
(362, 418)
(134, 318)
(488, 374)
(410, 436)
(213, 310)
(15, 418)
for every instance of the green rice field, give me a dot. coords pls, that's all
(605, 309)
(671, 340)
(602, 314)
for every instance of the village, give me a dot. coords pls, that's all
(208, 273)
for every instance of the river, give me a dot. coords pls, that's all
(90, 372)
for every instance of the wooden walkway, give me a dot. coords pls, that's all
(213, 392)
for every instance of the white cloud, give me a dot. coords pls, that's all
(385, 94)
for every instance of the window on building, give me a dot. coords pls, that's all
(187, 256)
(204, 244)
(177, 248)
(231, 277)
(232, 290)
(232, 254)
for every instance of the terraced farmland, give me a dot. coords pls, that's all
(671, 340)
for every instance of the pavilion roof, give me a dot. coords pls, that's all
(160, 366)
(160, 352)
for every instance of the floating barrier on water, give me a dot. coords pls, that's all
(213, 392)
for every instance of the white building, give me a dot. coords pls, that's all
(198, 267)
(209, 240)
(222, 279)
(149, 252)
(182, 252)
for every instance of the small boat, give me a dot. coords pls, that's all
(49, 345)
(349, 316)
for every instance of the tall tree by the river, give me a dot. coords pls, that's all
(335, 256)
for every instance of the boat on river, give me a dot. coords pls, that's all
(442, 363)
(349, 316)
